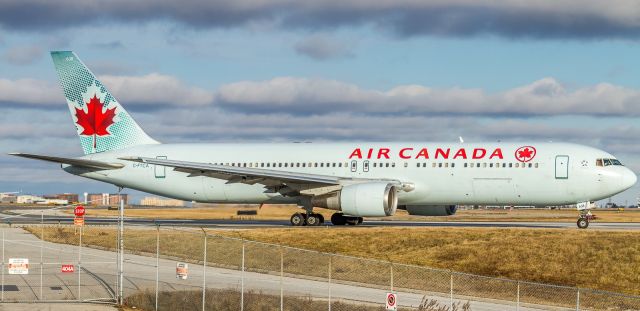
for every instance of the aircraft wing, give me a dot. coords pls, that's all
(288, 183)
(98, 165)
(234, 174)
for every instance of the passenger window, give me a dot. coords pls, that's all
(490, 164)
(439, 164)
(517, 165)
(510, 165)
(530, 165)
(433, 164)
(279, 164)
(406, 164)
(321, 164)
(393, 164)
(417, 164)
(333, 164)
(386, 165)
(484, 164)
(453, 165)
(374, 164)
(536, 165)
(446, 164)
(465, 165)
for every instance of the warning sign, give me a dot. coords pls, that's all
(68, 269)
(78, 221)
(182, 270)
(18, 265)
(392, 302)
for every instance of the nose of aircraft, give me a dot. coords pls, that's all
(629, 178)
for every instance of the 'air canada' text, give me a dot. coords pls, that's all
(424, 153)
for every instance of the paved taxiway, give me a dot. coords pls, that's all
(249, 223)
(98, 278)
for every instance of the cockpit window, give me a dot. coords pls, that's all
(607, 162)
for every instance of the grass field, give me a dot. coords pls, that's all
(222, 300)
(270, 212)
(605, 260)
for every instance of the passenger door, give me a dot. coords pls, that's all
(562, 167)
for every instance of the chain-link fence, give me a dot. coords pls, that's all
(167, 268)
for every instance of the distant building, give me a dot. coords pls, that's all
(33, 199)
(70, 197)
(106, 198)
(156, 201)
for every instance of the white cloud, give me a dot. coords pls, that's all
(543, 97)
(29, 91)
(23, 55)
(155, 88)
(323, 47)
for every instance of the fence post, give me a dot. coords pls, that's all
(451, 291)
(330, 259)
(242, 280)
(281, 278)
(2, 298)
(578, 300)
(518, 297)
(121, 247)
(41, 249)
(157, 262)
(204, 270)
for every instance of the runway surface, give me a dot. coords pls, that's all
(97, 278)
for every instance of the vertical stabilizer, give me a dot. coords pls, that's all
(102, 123)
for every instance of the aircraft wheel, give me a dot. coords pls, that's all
(360, 220)
(582, 223)
(313, 220)
(353, 221)
(297, 220)
(337, 219)
(321, 218)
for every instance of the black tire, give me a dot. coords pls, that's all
(360, 220)
(352, 221)
(321, 218)
(313, 220)
(337, 219)
(298, 219)
(582, 223)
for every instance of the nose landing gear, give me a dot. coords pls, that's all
(339, 219)
(584, 218)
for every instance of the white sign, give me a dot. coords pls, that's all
(182, 270)
(582, 206)
(18, 265)
(392, 302)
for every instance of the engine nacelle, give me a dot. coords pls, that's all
(430, 210)
(365, 199)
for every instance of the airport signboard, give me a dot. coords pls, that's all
(78, 221)
(18, 265)
(392, 302)
(68, 269)
(182, 270)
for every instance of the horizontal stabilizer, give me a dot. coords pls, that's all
(75, 162)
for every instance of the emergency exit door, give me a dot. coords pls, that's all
(562, 167)
(160, 170)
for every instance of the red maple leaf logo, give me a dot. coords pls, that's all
(525, 154)
(94, 121)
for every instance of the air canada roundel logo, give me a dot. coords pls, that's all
(525, 153)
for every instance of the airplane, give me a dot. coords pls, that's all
(357, 179)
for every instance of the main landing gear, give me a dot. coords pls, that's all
(339, 219)
(307, 219)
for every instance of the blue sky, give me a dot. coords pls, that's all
(330, 70)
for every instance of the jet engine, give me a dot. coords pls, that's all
(365, 199)
(430, 210)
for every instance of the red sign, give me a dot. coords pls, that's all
(392, 302)
(68, 269)
(525, 153)
(78, 221)
(79, 211)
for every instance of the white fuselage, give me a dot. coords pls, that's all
(558, 173)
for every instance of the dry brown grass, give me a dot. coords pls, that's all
(605, 260)
(283, 212)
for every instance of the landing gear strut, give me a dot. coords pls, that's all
(339, 219)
